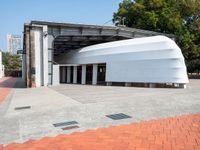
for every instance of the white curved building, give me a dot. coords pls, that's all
(153, 60)
(55, 53)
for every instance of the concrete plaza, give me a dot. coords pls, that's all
(88, 106)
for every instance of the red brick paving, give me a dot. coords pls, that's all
(178, 133)
(6, 85)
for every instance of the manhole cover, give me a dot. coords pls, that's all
(23, 107)
(70, 127)
(118, 116)
(65, 123)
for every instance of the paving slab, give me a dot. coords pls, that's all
(89, 105)
(177, 133)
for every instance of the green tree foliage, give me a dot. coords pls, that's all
(11, 62)
(178, 17)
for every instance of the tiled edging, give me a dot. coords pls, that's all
(175, 133)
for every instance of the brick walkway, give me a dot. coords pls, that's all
(6, 84)
(178, 133)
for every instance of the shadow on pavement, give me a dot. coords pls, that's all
(12, 82)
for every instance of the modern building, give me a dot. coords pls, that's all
(14, 43)
(57, 53)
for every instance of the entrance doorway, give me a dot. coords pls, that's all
(71, 74)
(79, 74)
(89, 69)
(61, 70)
(101, 74)
(63, 73)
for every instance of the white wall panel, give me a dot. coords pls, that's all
(38, 57)
(56, 75)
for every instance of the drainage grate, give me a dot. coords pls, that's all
(65, 123)
(24, 107)
(118, 116)
(70, 127)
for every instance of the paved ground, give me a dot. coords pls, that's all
(88, 106)
(179, 133)
(6, 85)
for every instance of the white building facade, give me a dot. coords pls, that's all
(57, 53)
(14, 43)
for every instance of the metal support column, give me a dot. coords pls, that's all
(68, 74)
(75, 75)
(94, 75)
(83, 76)
(63, 74)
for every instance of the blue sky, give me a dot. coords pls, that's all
(14, 13)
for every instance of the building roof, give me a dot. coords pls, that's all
(69, 36)
(95, 26)
(137, 41)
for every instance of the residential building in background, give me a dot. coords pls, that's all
(1, 66)
(14, 43)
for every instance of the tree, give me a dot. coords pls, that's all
(178, 17)
(11, 62)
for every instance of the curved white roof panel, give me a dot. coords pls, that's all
(154, 59)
